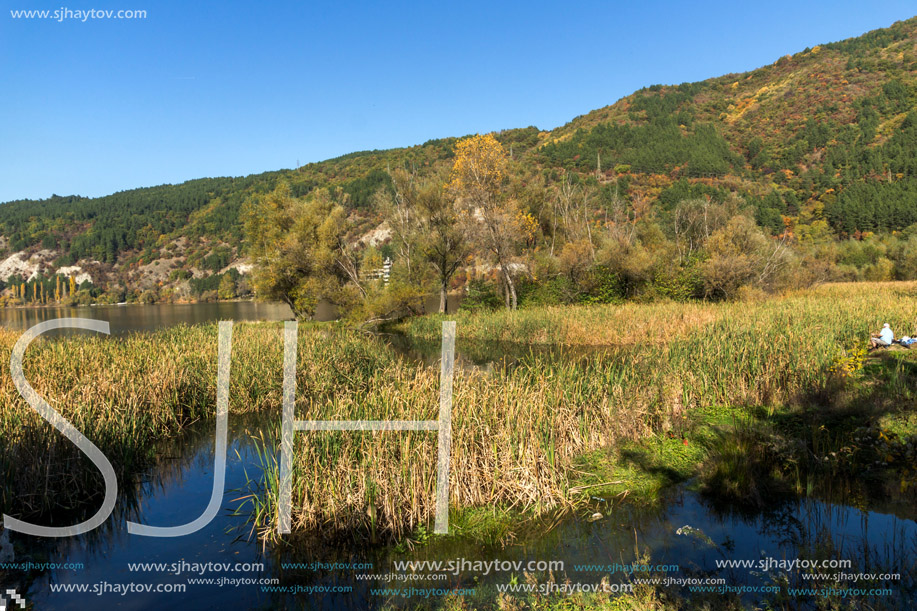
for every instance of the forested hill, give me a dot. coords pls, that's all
(820, 142)
(829, 131)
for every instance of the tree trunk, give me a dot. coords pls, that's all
(297, 313)
(443, 303)
(510, 289)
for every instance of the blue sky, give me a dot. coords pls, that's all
(229, 88)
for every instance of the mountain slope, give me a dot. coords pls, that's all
(802, 130)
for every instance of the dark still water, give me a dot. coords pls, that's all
(137, 317)
(220, 566)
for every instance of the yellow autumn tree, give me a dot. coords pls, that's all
(478, 181)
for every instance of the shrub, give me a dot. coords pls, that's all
(604, 286)
(552, 291)
(480, 295)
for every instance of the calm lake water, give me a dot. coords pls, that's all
(136, 317)
(128, 318)
(177, 488)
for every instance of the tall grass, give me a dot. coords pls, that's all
(516, 431)
(862, 307)
(123, 394)
(597, 325)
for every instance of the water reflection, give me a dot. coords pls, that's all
(136, 317)
(126, 318)
(174, 491)
(177, 488)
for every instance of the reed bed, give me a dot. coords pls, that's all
(516, 431)
(597, 325)
(123, 394)
(663, 322)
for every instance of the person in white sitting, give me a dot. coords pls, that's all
(884, 339)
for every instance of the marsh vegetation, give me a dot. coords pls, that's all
(754, 397)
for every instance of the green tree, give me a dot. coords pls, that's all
(740, 255)
(298, 250)
(227, 288)
(438, 230)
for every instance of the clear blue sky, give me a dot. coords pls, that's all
(230, 88)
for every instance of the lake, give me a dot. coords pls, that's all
(132, 317)
(138, 317)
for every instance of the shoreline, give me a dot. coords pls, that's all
(40, 306)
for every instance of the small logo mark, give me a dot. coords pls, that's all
(14, 598)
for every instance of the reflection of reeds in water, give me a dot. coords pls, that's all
(191, 450)
(98, 542)
(822, 532)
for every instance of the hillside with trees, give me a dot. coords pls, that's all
(799, 172)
